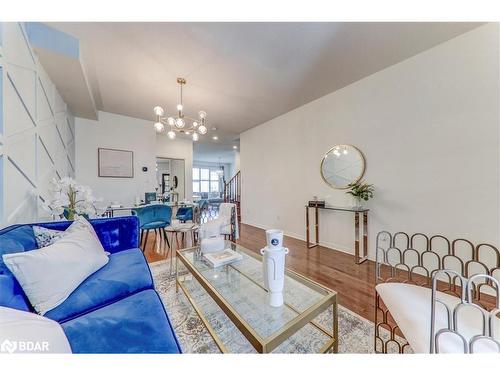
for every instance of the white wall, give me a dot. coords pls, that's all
(178, 149)
(118, 132)
(178, 169)
(126, 133)
(235, 167)
(429, 129)
(36, 130)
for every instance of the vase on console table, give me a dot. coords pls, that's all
(358, 203)
(360, 191)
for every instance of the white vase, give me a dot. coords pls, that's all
(274, 238)
(357, 203)
(273, 263)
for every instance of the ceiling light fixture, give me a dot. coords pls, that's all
(235, 147)
(179, 123)
(220, 171)
(215, 138)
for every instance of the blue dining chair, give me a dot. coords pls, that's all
(153, 217)
(184, 214)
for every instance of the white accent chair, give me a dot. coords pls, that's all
(436, 322)
(225, 224)
(433, 295)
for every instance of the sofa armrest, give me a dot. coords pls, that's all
(116, 234)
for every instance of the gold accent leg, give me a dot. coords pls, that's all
(316, 212)
(171, 261)
(365, 235)
(357, 258)
(307, 227)
(356, 237)
(176, 273)
(204, 320)
(316, 228)
(335, 326)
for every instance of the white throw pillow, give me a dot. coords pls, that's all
(25, 332)
(50, 274)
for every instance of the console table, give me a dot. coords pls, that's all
(357, 211)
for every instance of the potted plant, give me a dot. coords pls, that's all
(361, 191)
(69, 198)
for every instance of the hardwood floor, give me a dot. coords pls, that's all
(334, 269)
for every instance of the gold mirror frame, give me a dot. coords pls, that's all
(357, 179)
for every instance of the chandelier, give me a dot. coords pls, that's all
(179, 123)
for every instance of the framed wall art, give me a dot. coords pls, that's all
(115, 163)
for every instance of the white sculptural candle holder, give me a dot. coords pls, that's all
(274, 273)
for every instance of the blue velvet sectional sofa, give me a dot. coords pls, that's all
(116, 309)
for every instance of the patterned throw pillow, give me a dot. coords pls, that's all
(45, 237)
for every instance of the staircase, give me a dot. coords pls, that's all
(232, 192)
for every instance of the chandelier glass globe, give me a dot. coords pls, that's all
(202, 129)
(171, 134)
(195, 137)
(158, 111)
(171, 121)
(180, 123)
(159, 127)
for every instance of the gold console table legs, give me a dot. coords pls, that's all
(359, 258)
(316, 229)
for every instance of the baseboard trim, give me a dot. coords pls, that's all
(329, 245)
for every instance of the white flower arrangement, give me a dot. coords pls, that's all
(67, 195)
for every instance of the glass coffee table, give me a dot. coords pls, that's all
(310, 309)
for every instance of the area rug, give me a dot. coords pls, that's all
(355, 332)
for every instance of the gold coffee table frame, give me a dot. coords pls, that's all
(262, 345)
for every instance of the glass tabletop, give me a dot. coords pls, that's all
(341, 208)
(182, 227)
(241, 285)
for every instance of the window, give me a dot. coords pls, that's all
(214, 182)
(196, 183)
(206, 180)
(196, 186)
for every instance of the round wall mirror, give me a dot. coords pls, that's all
(342, 165)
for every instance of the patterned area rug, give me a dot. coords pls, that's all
(355, 332)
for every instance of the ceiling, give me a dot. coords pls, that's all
(215, 152)
(242, 74)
